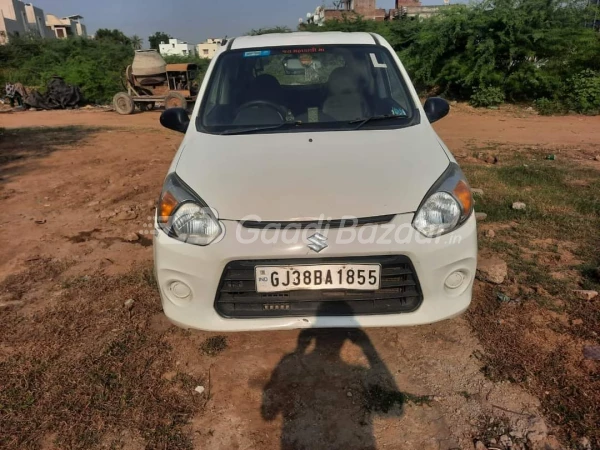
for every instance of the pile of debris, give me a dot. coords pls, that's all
(59, 95)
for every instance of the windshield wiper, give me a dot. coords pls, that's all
(365, 120)
(251, 130)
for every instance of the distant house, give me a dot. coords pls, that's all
(175, 47)
(19, 19)
(368, 10)
(66, 27)
(208, 49)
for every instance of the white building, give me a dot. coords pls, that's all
(208, 48)
(175, 47)
(19, 19)
(67, 26)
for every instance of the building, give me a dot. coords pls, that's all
(20, 19)
(413, 9)
(367, 9)
(175, 47)
(66, 27)
(209, 48)
(36, 21)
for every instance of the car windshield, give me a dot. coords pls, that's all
(283, 89)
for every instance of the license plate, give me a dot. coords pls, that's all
(363, 277)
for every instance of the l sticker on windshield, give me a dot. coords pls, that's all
(257, 53)
(376, 63)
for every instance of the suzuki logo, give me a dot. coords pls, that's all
(318, 242)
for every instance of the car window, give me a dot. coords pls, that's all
(285, 89)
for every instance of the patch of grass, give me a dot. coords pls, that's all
(86, 371)
(531, 175)
(591, 274)
(38, 271)
(214, 345)
(553, 205)
(534, 342)
(74, 281)
(169, 437)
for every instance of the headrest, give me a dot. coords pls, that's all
(342, 81)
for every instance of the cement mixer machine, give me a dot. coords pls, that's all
(150, 81)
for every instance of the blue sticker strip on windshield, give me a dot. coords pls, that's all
(257, 53)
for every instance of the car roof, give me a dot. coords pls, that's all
(302, 38)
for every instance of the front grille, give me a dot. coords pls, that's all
(320, 225)
(399, 293)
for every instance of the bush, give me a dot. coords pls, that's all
(583, 92)
(547, 107)
(529, 48)
(487, 96)
(96, 66)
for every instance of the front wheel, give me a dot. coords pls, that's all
(123, 103)
(175, 100)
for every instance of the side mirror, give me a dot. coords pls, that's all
(176, 119)
(436, 108)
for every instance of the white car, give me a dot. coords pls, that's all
(310, 190)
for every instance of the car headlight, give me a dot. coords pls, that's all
(182, 215)
(447, 205)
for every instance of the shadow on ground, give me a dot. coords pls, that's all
(326, 402)
(20, 148)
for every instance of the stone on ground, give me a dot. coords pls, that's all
(585, 295)
(491, 268)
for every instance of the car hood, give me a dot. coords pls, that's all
(305, 176)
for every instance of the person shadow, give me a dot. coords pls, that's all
(326, 402)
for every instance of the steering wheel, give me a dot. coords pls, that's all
(274, 106)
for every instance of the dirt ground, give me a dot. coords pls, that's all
(80, 369)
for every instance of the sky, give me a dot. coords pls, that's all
(189, 20)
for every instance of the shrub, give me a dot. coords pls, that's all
(583, 92)
(96, 66)
(547, 107)
(485, 96)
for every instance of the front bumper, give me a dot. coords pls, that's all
(201, 268)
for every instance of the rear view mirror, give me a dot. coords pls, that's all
(293, 66)
(176, 119)
(436, 108)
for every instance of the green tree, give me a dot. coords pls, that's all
(35, 62)
(518, 50)
(157, 38)
(526, 48)
(268, 30)
(136, 42)
(112, 35)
